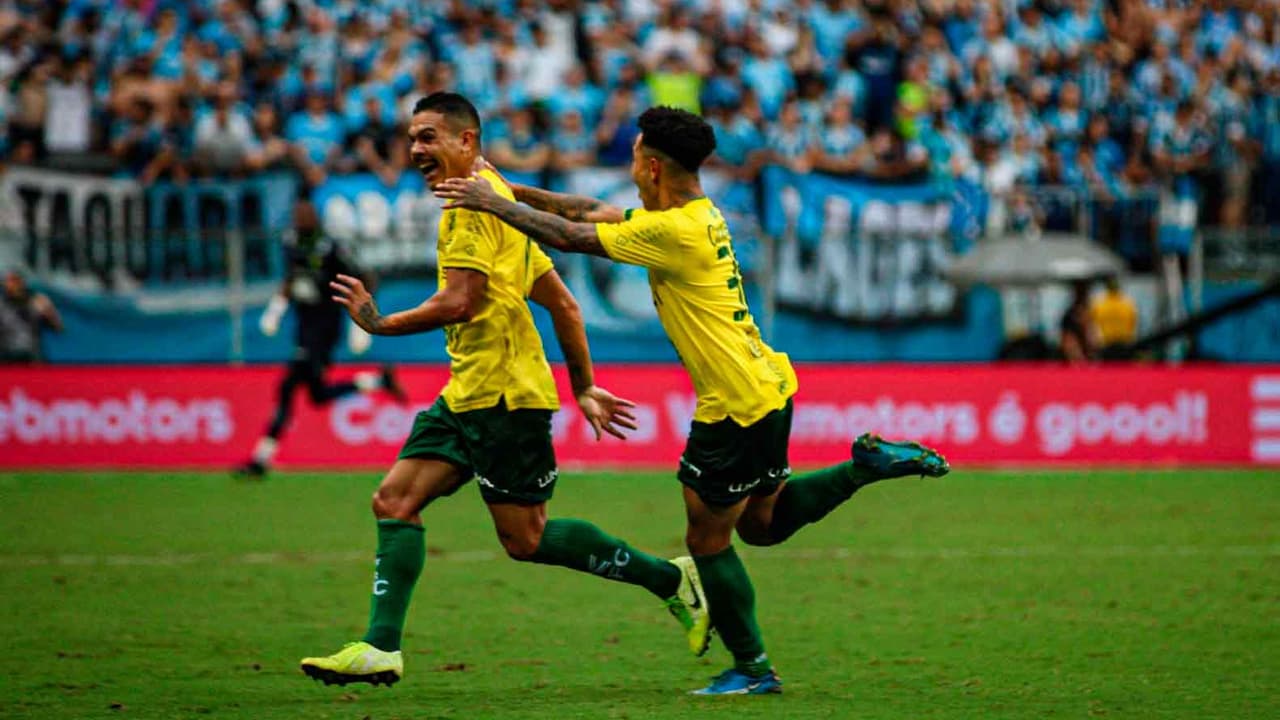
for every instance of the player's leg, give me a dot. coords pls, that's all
(731, 597)
(265, 449)
(323, 392)
(410, 486)
(527, 535)
(777, 514)
(716, 459)
(431, 465)
(516, 470)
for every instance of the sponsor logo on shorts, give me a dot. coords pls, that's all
(547, 479)
(743, 487)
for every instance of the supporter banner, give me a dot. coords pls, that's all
(862, 252)
(391, 227)
(112, 229)
(978, 415)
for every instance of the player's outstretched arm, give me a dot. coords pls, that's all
(458, 301)
(578, 208)
(475, 193)
(602, 409)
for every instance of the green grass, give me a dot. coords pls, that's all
(982, 595)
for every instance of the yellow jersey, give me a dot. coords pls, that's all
(697, 290)
(498, 353)
(1116, 317)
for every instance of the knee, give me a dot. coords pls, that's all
(521, 547)
(521, 542)
(704, 541)
(389, 506)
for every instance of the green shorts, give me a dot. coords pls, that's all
(724, 462)
(508, 452)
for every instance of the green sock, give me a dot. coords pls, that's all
(732, 602)
(808, 498)
(579, 545)
(401, 552)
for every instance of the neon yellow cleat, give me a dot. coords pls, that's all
(689, 606)
(356, 662)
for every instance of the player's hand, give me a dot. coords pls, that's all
(350, 293)
(606, 412)
(473, 193)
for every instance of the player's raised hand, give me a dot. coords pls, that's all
(606, 412)
(473, 193)
(350, 293)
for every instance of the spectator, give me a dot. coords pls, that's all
(674, 35)
(577, 95)
(876, 54)
(24, 315)
(994, 44)
(768, 77)
(224, 137)
(69, 107)
(474, 63)
(618, 130)
(544, 71)
(1078, 336)
(273, 149)
(30, 108)
(1067, 121)
(738, 140)
(674, 83)
(1115, 315)
(316, 136)
(572, 146)
(789, 142)
(517, 145)
(378, 147)
(841, 144)
(891, 157)
(138, 143)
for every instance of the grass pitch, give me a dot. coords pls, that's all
(981, 595)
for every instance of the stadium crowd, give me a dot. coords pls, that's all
(1099, 95)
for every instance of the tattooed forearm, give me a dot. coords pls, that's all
(548, 229)
(571, 207)
(369, 318)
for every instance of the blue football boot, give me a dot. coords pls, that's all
(889, 459)
(735, 682)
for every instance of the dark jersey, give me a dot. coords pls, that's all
(311, 267)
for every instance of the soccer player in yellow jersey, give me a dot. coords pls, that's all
(492, 421)
(734, 468)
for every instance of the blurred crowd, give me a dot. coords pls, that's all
(1104, 96)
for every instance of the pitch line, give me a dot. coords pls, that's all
(755, 554)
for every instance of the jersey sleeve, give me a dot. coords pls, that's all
(539, 263)
(647, 239)
(470, 241)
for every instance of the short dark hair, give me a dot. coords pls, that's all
(456, 108)
(679, 134)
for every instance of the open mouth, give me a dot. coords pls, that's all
(428, 168)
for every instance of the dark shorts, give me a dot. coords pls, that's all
(508, 452)
(724, 462)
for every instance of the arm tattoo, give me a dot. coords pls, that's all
(370, 318)
(570, 207)
(548, 229)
